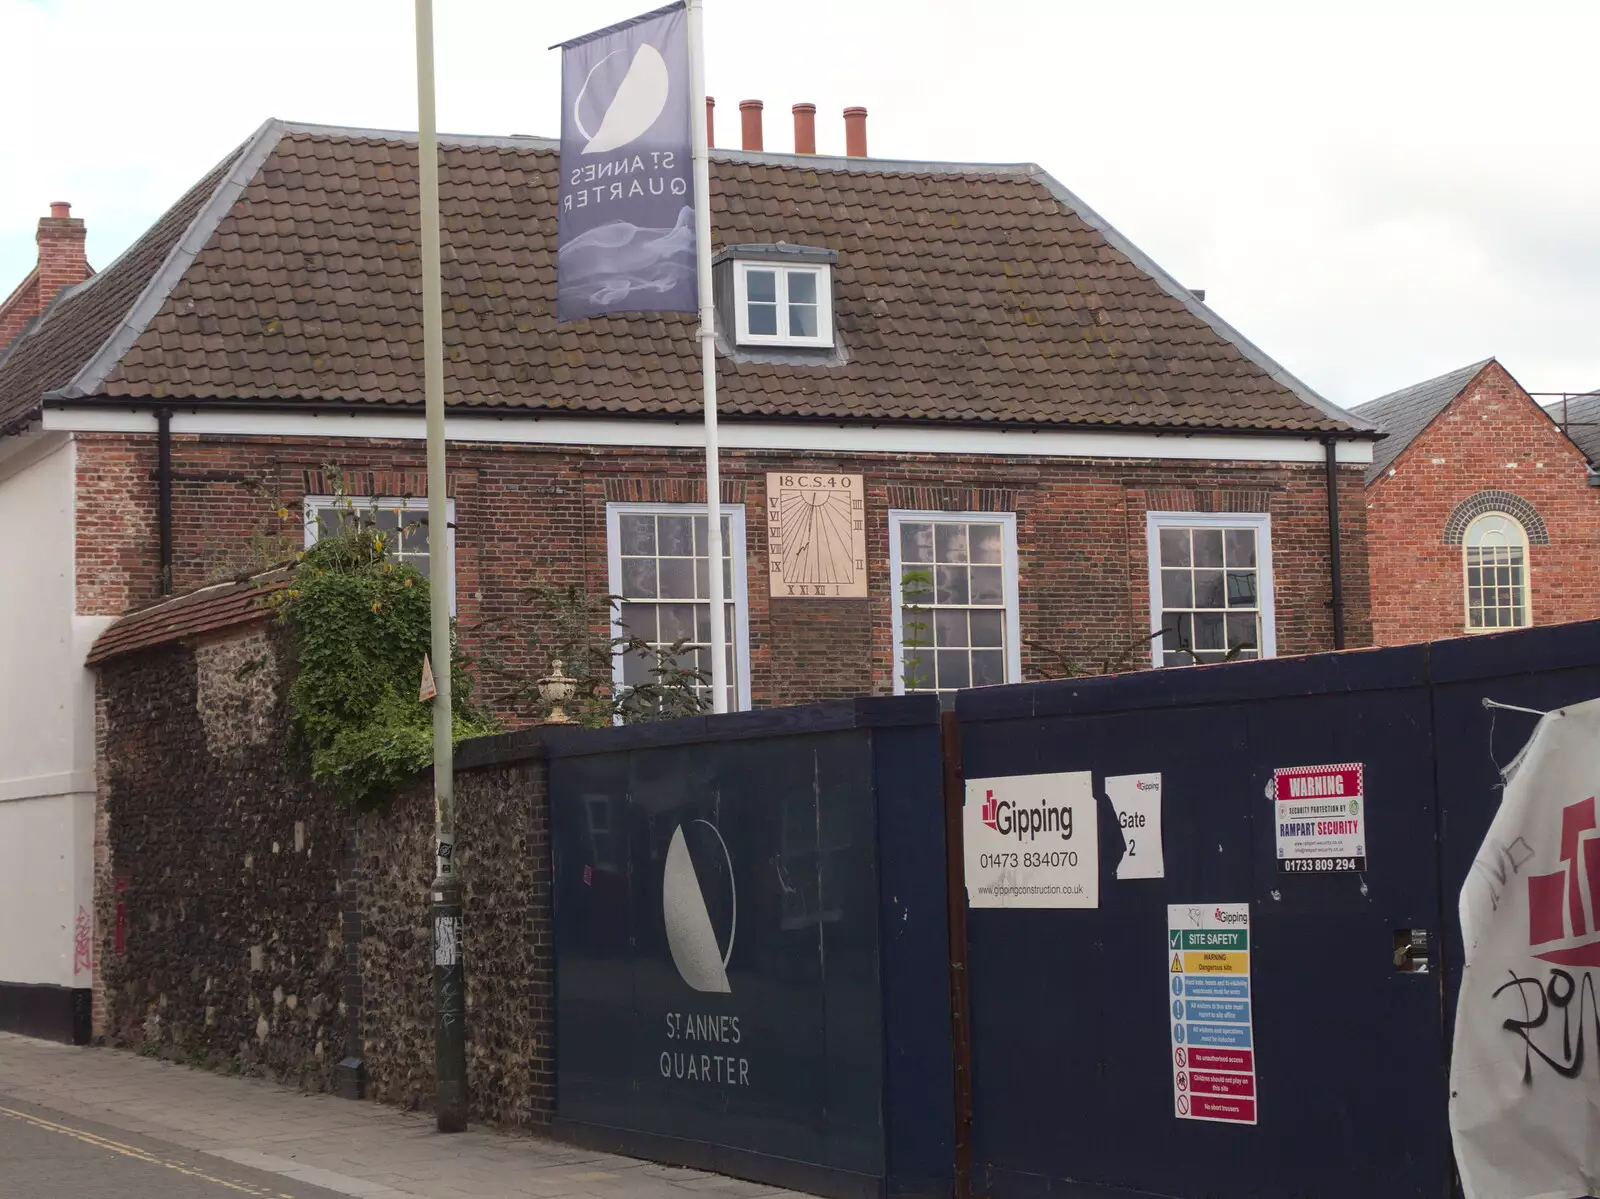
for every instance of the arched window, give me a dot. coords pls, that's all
(1495, 559)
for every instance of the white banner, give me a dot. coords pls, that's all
(1525, 1071)
(1032, 841)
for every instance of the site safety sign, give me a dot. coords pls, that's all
(1208, 983)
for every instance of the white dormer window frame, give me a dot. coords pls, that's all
(786, 302)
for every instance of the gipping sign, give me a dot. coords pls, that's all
(1032, 841)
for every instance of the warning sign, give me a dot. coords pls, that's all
(1321, 818)
(1213, 1050)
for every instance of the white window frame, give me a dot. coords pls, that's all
(1261, 522)
(1527, 575)
(1008, 575)
(741, 305)
(313, 504)
(740, 594)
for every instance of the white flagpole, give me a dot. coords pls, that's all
(708, 358)
(450, 1048)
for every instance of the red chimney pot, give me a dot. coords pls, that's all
(805, 128)
(60, 208)
(750, 123)
(855, 132)
(711, 121)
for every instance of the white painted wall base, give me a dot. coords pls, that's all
(46, 722)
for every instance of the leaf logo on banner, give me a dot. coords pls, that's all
(639, 101)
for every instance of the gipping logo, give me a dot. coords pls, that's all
(701, 963)
(1013, 820)
(637, 100)
(1561, 904)
(1222, 917)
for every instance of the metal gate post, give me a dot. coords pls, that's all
(956, 899)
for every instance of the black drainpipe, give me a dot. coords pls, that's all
(164, 493)
(1330, 444)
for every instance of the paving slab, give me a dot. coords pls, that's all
(198, 1130)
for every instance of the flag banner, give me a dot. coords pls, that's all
(1524, 1085)
(626, 229)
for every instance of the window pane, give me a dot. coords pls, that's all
(1208, 631)
(1174, 547)
(950, 585)
(636, 669)
(951, 543)
(988, 667)
(1241, 547)
(987, 585)
(953, 670)
(701, 543)
(950, 627)
(639, 577)
(1208, 547)
(984, 542)
(1208, 590)
(761, 286)
(677, 535)
(677, 578)
(916, 627)
(986, 628)
(802, 320)
(916, 543)
(1177, 632)
(1177, 588)
(802, 287)
(702, 623)
(1242, 630)
(763, 319)
(677, 623)
(917, 669)
(637, 533)
(1241, 589)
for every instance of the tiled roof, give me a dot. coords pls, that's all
(963, 294)
(81, 319)
(1582, 417)
(1405, 413)
(207, 610)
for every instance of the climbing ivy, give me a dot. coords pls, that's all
(361, 625)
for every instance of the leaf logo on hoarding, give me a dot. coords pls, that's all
(638, 103)
(690, 937)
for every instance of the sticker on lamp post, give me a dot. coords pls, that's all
(1032, 841)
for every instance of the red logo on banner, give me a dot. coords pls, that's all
(1560, 904)
(991, 811)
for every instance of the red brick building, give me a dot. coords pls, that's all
(1481, 513)
(1075, 463)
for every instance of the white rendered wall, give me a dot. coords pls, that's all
(46, 721)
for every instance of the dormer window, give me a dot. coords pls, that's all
(782, 305)
(781, 295)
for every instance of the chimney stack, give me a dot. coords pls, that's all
(805, 128)
(855, 132)
(750, 123)
(711, 122)
(61, 265)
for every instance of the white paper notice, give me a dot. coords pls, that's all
(1137, 800)
(1032, 841)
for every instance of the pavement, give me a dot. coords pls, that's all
(78, 1123)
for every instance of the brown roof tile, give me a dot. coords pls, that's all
(207, 610)
(972, 294)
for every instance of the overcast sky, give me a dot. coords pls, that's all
(1374, 193)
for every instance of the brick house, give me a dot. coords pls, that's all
(992, 391)
(1481, 513)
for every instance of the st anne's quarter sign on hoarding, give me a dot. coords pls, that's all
(1032, 841)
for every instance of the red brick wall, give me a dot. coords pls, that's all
(1493, 438)
(529, 513)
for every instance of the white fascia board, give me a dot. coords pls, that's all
(523, 429)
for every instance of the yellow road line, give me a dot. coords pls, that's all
(137, 1154)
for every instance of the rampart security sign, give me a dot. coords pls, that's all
(1032, 841)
